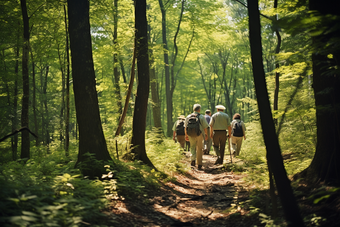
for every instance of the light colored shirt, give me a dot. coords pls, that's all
(203, 122)
(220, 121)
(242, 123)
(207, 117)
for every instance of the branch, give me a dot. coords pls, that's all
(17, 131)
(247, 7)
(128, 92)
(186, 54)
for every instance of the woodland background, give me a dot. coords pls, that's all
(198, 52)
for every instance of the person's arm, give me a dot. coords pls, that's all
(244, 131)
(174, 135)
(206, 133)
(229, 130)
(211, 131)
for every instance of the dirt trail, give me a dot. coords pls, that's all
(199, 198)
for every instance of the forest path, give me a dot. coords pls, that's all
(198, 198)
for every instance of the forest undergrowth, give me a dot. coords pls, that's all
(48, 191)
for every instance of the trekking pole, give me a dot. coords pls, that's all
(231, 159)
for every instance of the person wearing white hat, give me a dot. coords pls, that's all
(219, 124)
(178, 131)
(195, 130)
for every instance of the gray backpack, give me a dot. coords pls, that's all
(193, 127)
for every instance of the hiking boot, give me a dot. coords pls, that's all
(199, 167)
(218, 161)
(193, 163)
(205, 151)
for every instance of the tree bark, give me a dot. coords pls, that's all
(141, 103)
(156, 107)
(67, 119)
(46, 115)
(325, 164)
(25, 139)
(167, 72)
(91, 136)
(116, 61)
(34, 101)
(274, 157)
(15, 105)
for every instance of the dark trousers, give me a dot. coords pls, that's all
(219, 141)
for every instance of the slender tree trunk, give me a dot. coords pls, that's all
(61, 116)
(116, 62)
(141, 104)
(277, 74)
(25, 139)
(122, 69)
(34, 101)
(15, 104)
(167, 72)
(274, 157)
(46, 115)
(156, 108)
(91, 136)
(67, 119)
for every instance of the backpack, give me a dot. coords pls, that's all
(237, 129)
(180, 128)
(193, 127)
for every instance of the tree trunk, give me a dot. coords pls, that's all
(46, 115)
(25, 139)
(156, 108)
(67, 119)
(141, 104)
(91, 136)
(15, 105)
(61, 116)
(34, 101)
(116, 62)
(325, 164)
(167, 72)
(277, 74)
(274, 157)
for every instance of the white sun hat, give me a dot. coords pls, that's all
(220, 107)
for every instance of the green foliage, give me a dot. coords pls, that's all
(48, 192)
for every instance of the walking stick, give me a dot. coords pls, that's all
(231, 159)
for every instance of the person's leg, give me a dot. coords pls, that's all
(193, 149)
(239, 144)
(199, 150)
(216, 143)
(223, 140)
(233, 145)
(181, 140)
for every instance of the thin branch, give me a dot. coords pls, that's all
(17, 131)
(242, 3)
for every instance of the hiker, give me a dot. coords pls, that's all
(208, 142)
(238, 130)
(219, 123)
(195, 129)
(178, 131)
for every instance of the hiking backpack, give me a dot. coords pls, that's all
(193, 127)
(237, 129)
(180, 128)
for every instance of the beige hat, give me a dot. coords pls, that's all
(220, 107)
(181, 117)
(196, 105)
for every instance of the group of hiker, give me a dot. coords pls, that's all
(198, 133)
